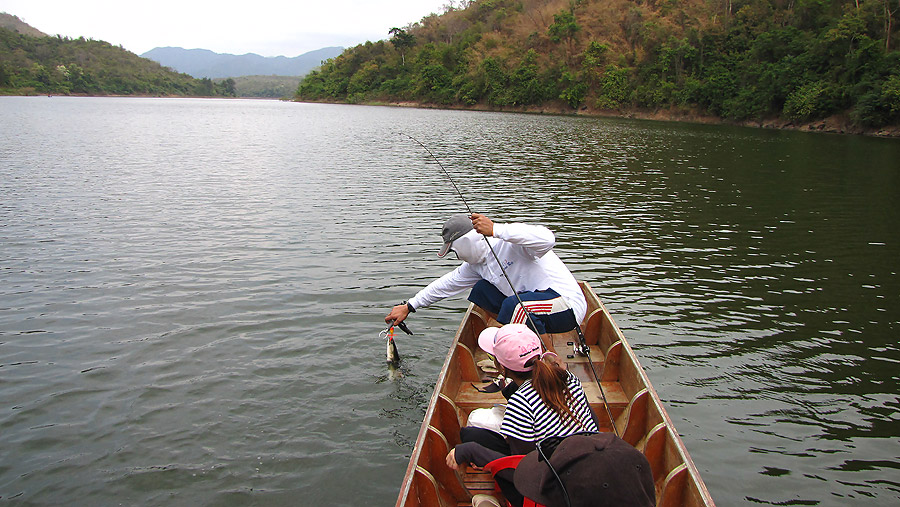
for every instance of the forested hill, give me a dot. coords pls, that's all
(739, 60)
(59, 65)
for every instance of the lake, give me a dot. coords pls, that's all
(191, 292)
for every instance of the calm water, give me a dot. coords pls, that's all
(191, 292)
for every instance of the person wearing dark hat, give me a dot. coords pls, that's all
(596, 470)
(545, 285)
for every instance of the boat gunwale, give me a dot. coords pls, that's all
(406, 487)
(654, 396)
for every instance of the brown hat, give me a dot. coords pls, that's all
(598, 470)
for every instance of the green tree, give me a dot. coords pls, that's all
(810, 101)
(230, 89)
(525, 82)
(402, 40)
(312, 87)
(206, 87)
(594, 57)
(614, 90)
(495, 82)
(5, 75)
(564, 28)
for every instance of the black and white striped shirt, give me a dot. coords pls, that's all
(527, 418)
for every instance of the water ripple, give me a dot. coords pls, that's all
(190, 292)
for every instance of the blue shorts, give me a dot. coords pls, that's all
(548, 310)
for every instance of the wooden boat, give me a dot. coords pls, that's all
(637, 414)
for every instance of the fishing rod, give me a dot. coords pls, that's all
(490, 247)
(582, 347)
(445, 171)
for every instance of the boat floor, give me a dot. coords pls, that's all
(469, 397)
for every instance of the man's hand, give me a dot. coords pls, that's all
(398, 314)
(482, 224)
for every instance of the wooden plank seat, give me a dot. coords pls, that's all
(469, 397)
(615, 396)
(564, 350)
(479, 482)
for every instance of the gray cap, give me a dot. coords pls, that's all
(454, 228)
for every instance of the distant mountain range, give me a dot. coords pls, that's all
(201, 63)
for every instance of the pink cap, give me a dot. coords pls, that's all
(513, 345)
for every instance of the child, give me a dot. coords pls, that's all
(548, 402)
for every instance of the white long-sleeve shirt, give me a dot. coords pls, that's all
(527, 255)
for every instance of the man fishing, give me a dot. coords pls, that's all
(495, 256)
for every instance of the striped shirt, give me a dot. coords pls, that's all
(527, 418)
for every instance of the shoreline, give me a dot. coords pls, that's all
(836, 124)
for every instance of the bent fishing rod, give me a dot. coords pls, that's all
(582, 347)
(469, 209)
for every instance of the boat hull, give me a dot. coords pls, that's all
(634, 409)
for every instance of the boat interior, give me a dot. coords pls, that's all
(637, 413)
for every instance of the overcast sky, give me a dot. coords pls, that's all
(265, 27)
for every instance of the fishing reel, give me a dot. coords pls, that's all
(578, 349)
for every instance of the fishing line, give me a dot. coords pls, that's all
(442, 167)
(491, 248)
(583, 347)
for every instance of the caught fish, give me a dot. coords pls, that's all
(393, 356)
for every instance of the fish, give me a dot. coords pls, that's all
(393, 355)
